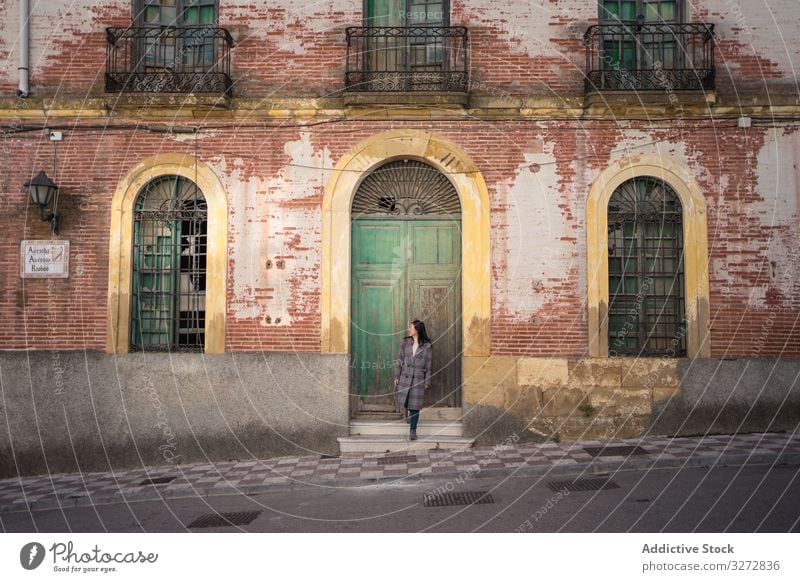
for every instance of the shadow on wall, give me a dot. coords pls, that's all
(70, 411)
(599, 398)
(730, 396)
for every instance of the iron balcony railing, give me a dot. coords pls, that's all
(409, 58)
(168, 59)
(639, 56)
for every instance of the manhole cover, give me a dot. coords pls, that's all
(461, 498)
(623, 451)
(582, 485)
(225, 519)
(397, 460)
(156, 480)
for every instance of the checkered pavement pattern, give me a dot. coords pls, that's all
(249, 477)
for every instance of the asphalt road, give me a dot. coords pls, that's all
(725, 499)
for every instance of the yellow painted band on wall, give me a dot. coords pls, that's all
(340, 188)
(695, 233)
(120, 263)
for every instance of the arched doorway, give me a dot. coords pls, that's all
(405, 264)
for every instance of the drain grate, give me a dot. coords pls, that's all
(461, 498)
(156, 481)
(329, 456)
(225, 519)
(582, 485)
(623, 451)
(397, 460)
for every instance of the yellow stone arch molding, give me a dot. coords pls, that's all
(695, 244)
(340, 188)
(121, 247)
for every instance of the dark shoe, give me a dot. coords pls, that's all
(413, 436)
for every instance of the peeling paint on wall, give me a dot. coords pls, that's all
(539, 252)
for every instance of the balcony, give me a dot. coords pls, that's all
(649, 57)
(406, 62)
(168, 59)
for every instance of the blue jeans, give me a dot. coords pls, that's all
(413, 415)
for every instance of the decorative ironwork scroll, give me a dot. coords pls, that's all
(406, 188)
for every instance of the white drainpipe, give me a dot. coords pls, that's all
(24, 52)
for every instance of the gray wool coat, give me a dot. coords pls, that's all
(413, 370)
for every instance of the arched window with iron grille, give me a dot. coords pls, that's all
(169, 266)
(646, 312)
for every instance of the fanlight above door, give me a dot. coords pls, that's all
(406, 188)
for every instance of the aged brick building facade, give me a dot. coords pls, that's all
(594, 207)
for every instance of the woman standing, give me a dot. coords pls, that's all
(412, 373)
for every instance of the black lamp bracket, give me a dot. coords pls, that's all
(52, 218)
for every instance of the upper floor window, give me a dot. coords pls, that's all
(407, 13)
(175, 12)
(631, 53)
(190, 50)
(173, 46)
(658, 11)
(406, 45)
(647, 45)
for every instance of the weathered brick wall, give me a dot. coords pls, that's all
(274, 176)
(754, 51)
(67, 45)
(538, 175)
(286, 48)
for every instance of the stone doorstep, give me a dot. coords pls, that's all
(389, 443)
(425, 428)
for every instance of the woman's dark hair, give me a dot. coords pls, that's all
(423, 335)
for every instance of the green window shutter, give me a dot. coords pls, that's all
(385, 12)
(627, 10)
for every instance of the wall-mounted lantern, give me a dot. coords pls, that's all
(42, 190)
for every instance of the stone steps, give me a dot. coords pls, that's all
(438, 428)
(359, 444)
(440, 413)
(400, 428)
(432, 413)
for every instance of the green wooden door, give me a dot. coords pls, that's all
(404, 269)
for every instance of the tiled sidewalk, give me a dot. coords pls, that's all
(70, 490)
